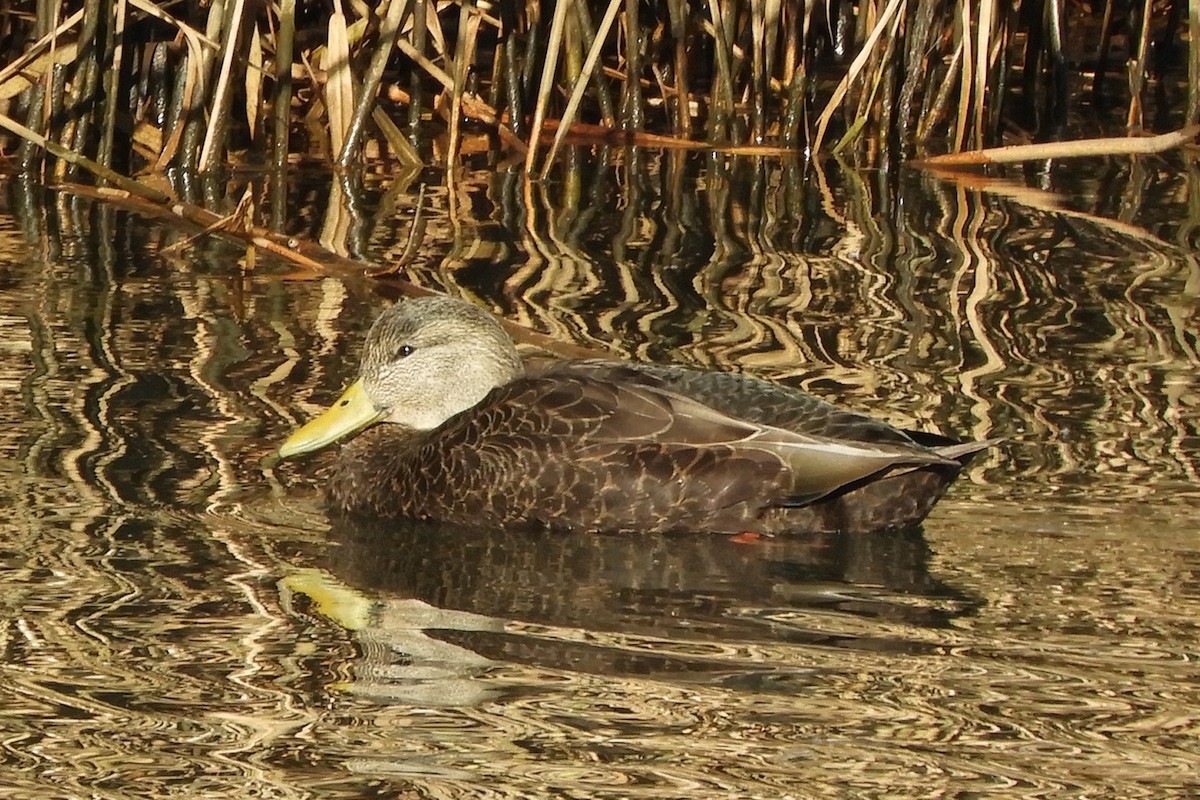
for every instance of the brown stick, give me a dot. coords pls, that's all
(1114, 146)
(71, 157)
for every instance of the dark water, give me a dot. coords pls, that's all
(180, 620)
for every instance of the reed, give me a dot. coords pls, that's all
(139, 87)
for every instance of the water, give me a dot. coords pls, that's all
(181, 620)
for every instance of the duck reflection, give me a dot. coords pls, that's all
(685, 606)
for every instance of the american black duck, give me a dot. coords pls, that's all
(473, 437)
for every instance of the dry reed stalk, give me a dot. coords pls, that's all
(284, 42)
(755, 63)
(1137, 68)
(464, 55)
(432, 69)
(1193, 93)
(388, 30)
(547, 84)
(856, 67)
(965, 82)
(115, 52)
(987, 10)
(339, 92)
(610, 14)
(1112, 146)
(253, 84)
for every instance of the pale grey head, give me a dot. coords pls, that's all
(429, 358)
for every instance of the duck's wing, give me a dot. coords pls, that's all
(632, 410)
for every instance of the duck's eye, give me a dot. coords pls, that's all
(404, 351)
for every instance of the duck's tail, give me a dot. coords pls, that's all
(963, 452)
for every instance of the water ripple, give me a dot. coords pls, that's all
(180, 617)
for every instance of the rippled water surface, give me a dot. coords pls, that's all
(180, 619)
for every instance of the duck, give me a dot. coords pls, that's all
(448, 424)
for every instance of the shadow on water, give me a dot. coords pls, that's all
(701, 594)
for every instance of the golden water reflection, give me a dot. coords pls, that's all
(181, 618)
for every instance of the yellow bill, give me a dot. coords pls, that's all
(352, 412)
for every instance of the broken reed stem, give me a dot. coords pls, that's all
(1118, 145)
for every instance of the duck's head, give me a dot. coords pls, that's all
(424, 361)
